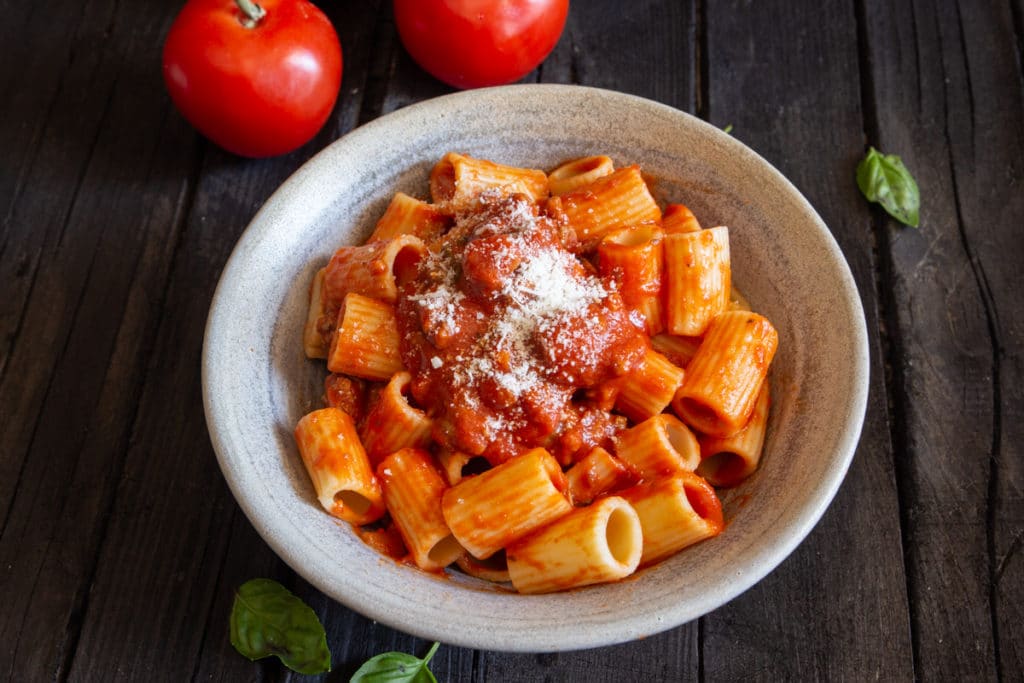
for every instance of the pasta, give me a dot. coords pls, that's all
(534, 378)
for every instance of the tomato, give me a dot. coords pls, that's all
(474, 43)
(256, 87)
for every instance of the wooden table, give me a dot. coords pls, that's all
(120, 545)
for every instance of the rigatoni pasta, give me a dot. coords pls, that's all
(338, 466)
(413, 490)
(726, 461)
(724, 377)
(697, 279)
(675, 512)
(535, 377)
(366, 342)
(598, 543)
(488, 512)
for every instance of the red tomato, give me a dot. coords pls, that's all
(473, 43)
(256, 88)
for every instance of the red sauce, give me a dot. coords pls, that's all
(500, 329)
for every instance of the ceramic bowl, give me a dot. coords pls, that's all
(257, 382)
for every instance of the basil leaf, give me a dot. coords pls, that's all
(728, 129)
(397, 667)
(884, 179)
(267, 619)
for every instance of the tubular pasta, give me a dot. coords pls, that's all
(727, 461)
(723, 379)
(374, 270)
(648, 389)
(318, 321)
(366, 342)
(659, 445)
(579, 172)
(601, 542)
(675, 512)
(613, 201)
(491, 510)
(454, 463)
(697, 279)
(596, 474)
(458, 179)
(338, 467)
(632, 258)
(407, 215)
(392, 423)
(412, 491)
(678, 218)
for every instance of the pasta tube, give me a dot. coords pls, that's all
(459, 179)
(697, 279)
(407, 215)
(316, 333)
(596, 474)
(679, 350)
(657, 446)
(612, 201)
(491, 510)
(678, 218)
(366, 342)
(392, 423)
(675, 512)
(726, 461)
(337, 465)
(632, 258)
(723, 379)
(598, 543)
(579, 172)
(374, 270)
(412, 491)
(649, 388)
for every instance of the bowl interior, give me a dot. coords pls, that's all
(257, 383)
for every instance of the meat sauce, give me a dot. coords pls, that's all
(507, 334)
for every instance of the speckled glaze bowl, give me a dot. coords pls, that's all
(257, 382)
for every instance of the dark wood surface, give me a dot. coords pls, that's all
(120, 545)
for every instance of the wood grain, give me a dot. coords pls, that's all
(99, 243)
(159, 570)
(942, 103)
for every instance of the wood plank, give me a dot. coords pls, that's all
(171, 554)
(30, 80)
(246, 557)
(646, 48)
(990, 201)
(109, 220)
(45, 259)
(819, 615)
(947, 84)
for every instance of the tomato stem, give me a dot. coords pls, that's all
(251, 11)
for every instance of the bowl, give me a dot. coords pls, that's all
(257, 383)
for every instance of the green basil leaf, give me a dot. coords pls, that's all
(728, 129)
(267, 619)
(884, 179)
(396, 667)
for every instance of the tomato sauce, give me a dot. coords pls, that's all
(502, 328)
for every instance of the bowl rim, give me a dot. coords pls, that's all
(764, 561)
